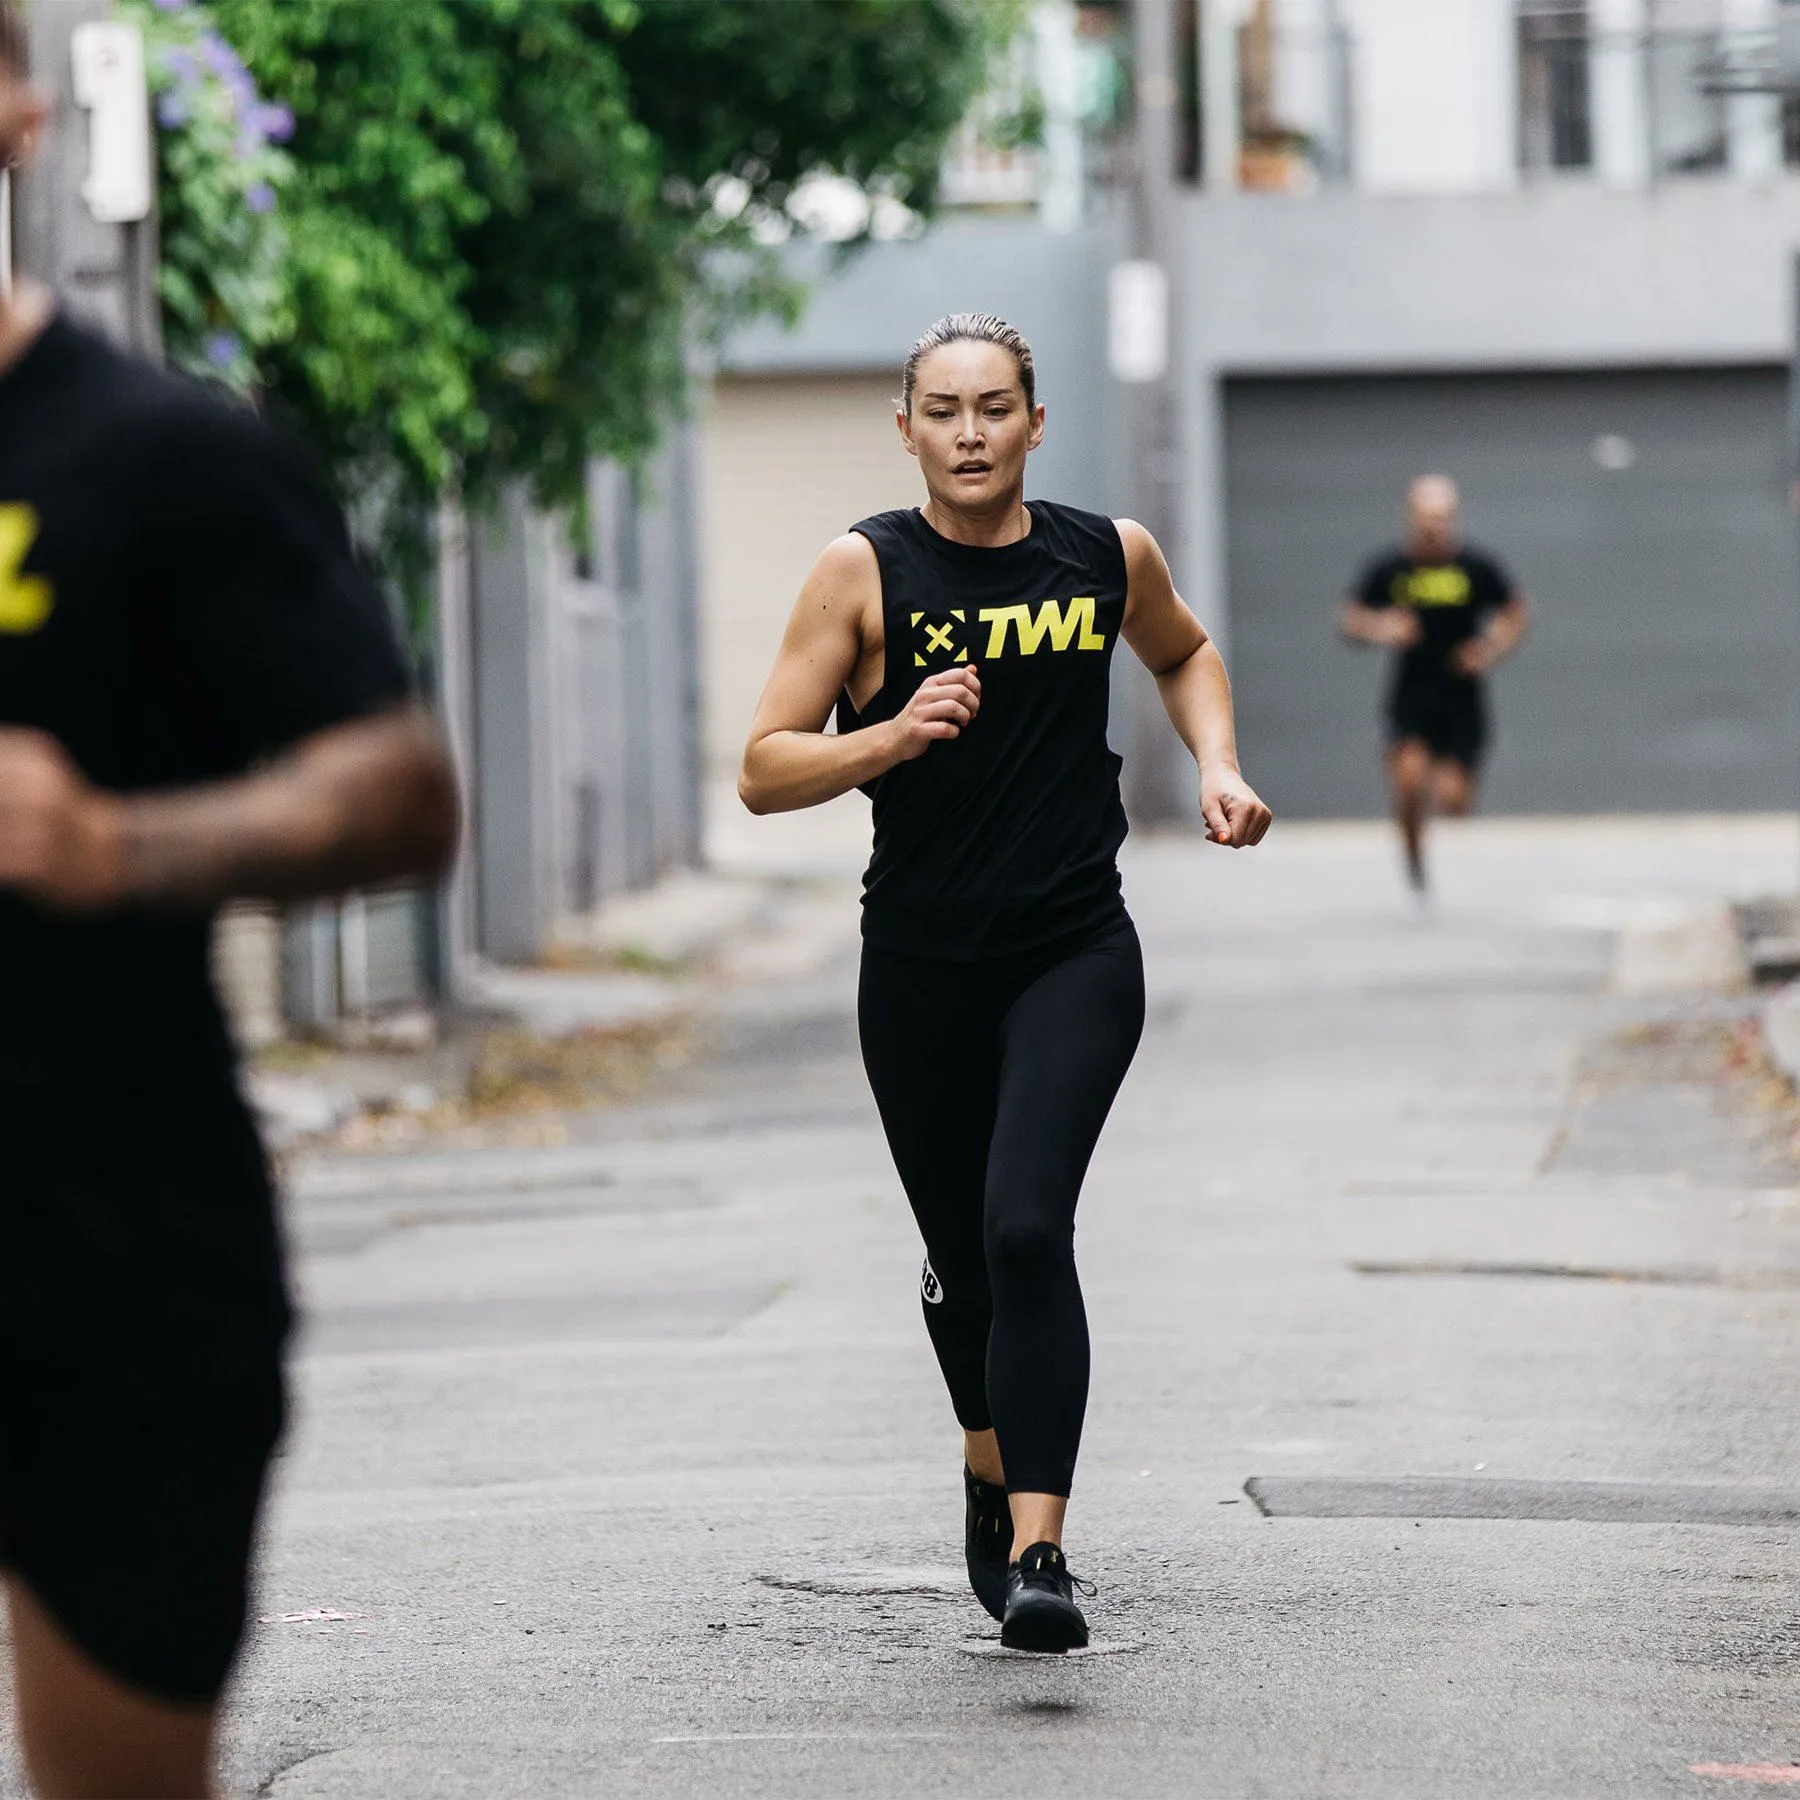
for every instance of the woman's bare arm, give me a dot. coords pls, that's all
(1196, 692)
(790, 762)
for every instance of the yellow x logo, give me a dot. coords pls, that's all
(937, 637)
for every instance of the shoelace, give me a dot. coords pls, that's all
(1086, 1589)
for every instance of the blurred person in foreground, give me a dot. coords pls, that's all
(1452, 614)
(964, 646)
(200, 698)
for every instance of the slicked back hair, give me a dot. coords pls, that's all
(970, 328)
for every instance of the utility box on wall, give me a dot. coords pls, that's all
(84, 214)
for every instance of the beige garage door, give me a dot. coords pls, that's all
(790, 463)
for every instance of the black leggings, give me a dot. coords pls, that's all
(993, 1080)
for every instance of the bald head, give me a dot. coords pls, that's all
(1433, 517)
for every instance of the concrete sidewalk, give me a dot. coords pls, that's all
(622, 1468)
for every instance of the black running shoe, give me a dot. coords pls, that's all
(1041, 1613)
(987, 1539)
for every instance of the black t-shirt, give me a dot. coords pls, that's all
(178, 599)
(1453, 598)
(1007, 837)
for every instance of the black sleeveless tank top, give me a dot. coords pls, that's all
(1007, 837)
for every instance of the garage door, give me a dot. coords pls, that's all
(790, 463)
(1645, 512)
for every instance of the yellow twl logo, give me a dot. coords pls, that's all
(1065, 626)
(26, 601)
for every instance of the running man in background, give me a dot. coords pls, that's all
(1453, 614)
(200, 698)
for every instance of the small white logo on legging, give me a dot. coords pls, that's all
(929, 1285)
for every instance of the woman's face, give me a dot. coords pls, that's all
(971, 427)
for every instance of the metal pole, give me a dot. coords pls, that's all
(1158, 777)
(1793, 393)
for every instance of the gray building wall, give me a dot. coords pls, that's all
(1562, 275)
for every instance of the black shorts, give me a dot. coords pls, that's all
(1452, 723)
(128, 1506)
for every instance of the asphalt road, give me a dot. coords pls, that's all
(622, 1468)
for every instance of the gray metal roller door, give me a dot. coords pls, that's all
(1663, 675)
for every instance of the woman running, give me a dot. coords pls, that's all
(966, 646)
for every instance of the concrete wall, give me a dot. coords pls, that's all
(1568, 275)
(1432, 95)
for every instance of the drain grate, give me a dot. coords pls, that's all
(1565, 1502)
(1747, 1280)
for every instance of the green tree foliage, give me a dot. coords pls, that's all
(506, 218)
(222, 276)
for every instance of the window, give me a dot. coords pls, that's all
(1555, 116)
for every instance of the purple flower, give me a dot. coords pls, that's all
(182, 64)
(276, 122)
(171, 6)
(223, 349)
(261, 198)
(221, 58)
(172, 111)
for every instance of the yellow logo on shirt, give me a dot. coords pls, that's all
(937, 640)
(1063, 624)
(1446, 586)
(26, 601)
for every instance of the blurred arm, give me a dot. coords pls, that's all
(1196, 692)
(368, 801)
(1509, 627)
(1503, 632)
(1384, 627)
